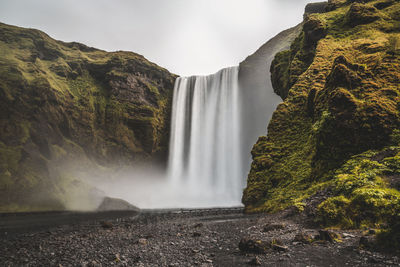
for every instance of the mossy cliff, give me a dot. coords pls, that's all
(332, 148)
(68, 104)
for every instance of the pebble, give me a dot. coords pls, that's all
(255, 261)
(90, 245)
(346, 235)
(142, 241)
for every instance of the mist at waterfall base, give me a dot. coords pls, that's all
(204, 165)
(208, 163)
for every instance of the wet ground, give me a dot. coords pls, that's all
(177, 238)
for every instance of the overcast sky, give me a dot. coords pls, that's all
(185, 36)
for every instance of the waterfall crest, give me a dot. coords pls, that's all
(205, 162)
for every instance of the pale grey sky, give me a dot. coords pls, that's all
(187, 37)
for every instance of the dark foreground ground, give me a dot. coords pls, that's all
(174, 238)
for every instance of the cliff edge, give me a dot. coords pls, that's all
(332, 150)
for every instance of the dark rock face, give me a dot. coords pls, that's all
(314, 30)
(313, 8)
(67, 108)
(288, 65)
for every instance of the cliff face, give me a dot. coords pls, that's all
(256, 94)
(332, 149)
(68, 104)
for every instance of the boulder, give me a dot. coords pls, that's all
(255, 261)
(106, 225)
(113, 204)
(280, 248)
(250, 245)
(273, 227)
(303, 238)
(329, 236)
(367, 242)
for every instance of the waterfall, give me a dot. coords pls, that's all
(205, 161)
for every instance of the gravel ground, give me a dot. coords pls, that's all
(196, 238)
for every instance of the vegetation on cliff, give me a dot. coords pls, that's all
(66, 106)
(332, 148)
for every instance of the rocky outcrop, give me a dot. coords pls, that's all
(288, 65)
(337, 131)
(66, 108)
(312, 8)
(361, 14)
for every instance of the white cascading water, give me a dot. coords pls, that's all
(205, 166)
(214, 123)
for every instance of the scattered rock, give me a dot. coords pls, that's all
(273, 227)
(255, 261)
(196, 234)
(106, 225)
(346, 235)
(276, 242)
(303, 238)
(94, 264)
(373, 260)
(198, 225)
(279, 247)
(371, 232)
(85, 246)
(325, 235)
(249, 245)
(142, 241)
(367, 242)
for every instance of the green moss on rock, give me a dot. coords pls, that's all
(62, 102)
(289, 65)
(332, 145)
